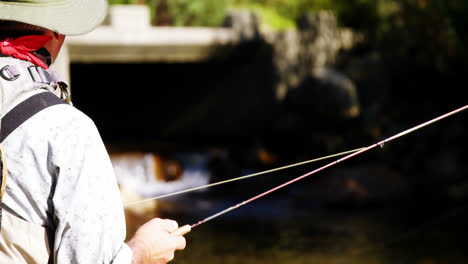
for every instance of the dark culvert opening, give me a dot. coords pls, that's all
(150, 106)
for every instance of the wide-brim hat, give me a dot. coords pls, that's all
(67, 17)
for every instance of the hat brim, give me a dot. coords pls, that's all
(67, 17)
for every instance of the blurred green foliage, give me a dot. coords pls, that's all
(199, 13)
(123, 2)
(429, 32)
(279, 14)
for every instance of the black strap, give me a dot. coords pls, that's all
(2, 179)
(26, 109)
(18, 115)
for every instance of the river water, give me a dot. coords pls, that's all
(278, 230)
(286, 228)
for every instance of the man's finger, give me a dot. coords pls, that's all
(171, 225)
(180, 242)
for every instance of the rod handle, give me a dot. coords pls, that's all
(182, 230)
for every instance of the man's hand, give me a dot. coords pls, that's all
(153, 242)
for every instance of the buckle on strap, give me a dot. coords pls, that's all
(52, 80)
(47, 79)
(40, 75)
(9, 73)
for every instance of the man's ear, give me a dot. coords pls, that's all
(55, 44)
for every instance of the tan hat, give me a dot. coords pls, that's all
(67, 17)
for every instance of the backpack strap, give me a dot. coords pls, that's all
(14, 118)
(3, 178)
(26, 109)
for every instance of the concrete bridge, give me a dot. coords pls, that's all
(126, 36)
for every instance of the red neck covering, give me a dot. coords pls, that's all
(22, 48)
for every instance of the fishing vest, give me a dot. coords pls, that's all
(25, 89)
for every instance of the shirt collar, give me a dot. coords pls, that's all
(44, 55)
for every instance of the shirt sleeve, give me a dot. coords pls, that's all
(88, 211)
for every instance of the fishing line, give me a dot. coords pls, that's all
(187, 228)
(240, 178)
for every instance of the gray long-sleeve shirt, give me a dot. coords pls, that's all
(60, 177)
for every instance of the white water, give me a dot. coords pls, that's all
(136, 173)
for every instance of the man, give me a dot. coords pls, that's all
(61, 203)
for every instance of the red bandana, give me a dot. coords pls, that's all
(22, 47)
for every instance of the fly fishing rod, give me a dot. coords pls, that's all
(187, 228)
